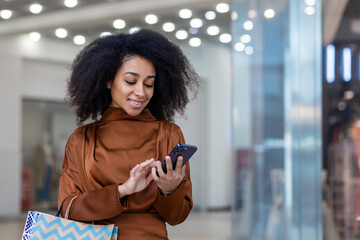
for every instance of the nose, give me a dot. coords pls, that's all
(139, 89)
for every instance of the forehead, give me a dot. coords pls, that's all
(137, 63)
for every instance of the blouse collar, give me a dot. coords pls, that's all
(115, 113)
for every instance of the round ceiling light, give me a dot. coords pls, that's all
(195, 42)
(196, 23)
(119, 24)
(5, 14)
(185, 13)
(70, 3)
(248, 25)
(181, 34)
(134, 30)
(213, 30)
(35, 8)
(269, 13)
(105, 34)
(210, 15)
(34, 36)
(239, 46)
(222, 7)
(79, 39)
(151, 19)
(168, 27)
(225, 38)
(61, 33)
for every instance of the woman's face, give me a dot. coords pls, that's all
(133, 86)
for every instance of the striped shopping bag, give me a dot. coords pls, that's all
(41, 226)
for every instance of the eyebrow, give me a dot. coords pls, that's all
(137, 75)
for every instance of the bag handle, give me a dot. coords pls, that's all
(67, 210)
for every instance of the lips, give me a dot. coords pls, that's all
(136, 103)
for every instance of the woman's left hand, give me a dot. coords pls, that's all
(169, 182)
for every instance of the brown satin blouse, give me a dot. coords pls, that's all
(99, 157)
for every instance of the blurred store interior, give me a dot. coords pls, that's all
(39, 40)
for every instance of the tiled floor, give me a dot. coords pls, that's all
(198, 226)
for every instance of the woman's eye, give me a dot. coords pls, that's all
(148, 85)
(129, 82)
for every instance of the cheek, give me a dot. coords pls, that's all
(151, 93)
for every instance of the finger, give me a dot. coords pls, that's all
(169, 166)
(133, 170)
(183, 171)
(159, 169)
(179, 164)
(154, 175)
(147, 163)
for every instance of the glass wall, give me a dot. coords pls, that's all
(277, 119)
(341, 120)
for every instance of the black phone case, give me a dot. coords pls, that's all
(184, 150)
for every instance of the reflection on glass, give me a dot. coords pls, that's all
(276, 121)
(330, 63)
(347, 64)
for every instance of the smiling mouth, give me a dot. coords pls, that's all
(135, 102)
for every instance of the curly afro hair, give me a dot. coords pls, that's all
(98, 63)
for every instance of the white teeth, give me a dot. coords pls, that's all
(137, 103)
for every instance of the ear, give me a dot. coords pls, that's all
(109, 85)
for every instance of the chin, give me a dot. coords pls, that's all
(134, 113)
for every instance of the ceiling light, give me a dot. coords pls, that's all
(234, 15)
(193, 30)
(213, 30)
(181, 34)
(222, 7)
(79, 40)
(134, 30)
(252, 14)
(119, 24)
(5, 14)
(248, 25)
(35, 8)
(249, 50)
(210, 15)
(61, 33)
(269, 13)
(34, 36)
(225, 38)
(239, 46)
(246, 38)
(309, 10)
(151, 19)
(70, 3)
(196, 23)
(105, 34)
(310, 2)
(195, 42)
(185, 13)
(168, 27)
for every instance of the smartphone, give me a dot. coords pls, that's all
(184, 150)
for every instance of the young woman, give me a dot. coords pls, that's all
(135, 83)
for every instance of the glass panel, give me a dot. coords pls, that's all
(341, 120)
(277, 119)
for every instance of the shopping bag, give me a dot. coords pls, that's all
(44, 226)
(41, 226)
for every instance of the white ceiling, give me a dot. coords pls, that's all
(91, 17)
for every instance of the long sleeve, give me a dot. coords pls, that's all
(176, 207)
(90, 205)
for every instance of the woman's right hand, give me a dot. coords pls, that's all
(139, 179)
